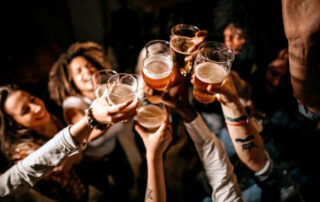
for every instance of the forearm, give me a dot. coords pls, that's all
(302, 28)
(38, 164)
(246, 140)
(155, 190)
(215, 161)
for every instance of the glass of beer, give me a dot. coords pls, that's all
(121, 88)
(182, 38)
(157, 71)
(150, 116)
(100, 79)
(212, 65)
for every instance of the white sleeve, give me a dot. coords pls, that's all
(39, 163)
(215, 160)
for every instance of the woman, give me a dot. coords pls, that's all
(25, 126)
(70, 85)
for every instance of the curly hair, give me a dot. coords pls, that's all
(60, 83)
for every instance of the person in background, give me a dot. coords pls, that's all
(105, 164)
(55, 152)
(25, 126)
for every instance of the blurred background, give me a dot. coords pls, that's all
(35, 32)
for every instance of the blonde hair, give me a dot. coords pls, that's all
(60, 83)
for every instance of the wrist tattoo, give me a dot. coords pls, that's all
(148, 195)
(248, 144)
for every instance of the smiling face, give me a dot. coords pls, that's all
(234, 37)
(26, 110)
(81, 71)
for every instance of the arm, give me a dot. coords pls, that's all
(210, 149)
(301, 19)
(156, 143)
(250, 149)
(66, 143)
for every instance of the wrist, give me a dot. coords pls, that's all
(233, 110)
(151, 157)
(93, 123)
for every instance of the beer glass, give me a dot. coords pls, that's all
(157, 47)
(150, 116)
(100, 79)
(212, 66)
(181, 40)
(121, 88)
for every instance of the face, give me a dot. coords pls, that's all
(81, 71)
(277, 69)
(234, 38)
(26, 110)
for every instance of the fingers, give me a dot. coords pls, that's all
(142, 132)
(116, 108)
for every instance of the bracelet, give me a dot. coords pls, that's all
(237, 121)
(92, 122)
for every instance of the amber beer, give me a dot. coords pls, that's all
(150, 116)
(207, 73)
(157, 72)
(179, 46)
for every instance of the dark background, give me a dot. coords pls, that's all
(35, 32)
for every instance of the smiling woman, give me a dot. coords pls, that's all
(25, 125)
(105, 163)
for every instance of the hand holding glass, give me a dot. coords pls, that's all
(212, 65)
(182, 39)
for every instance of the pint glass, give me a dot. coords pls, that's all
(212, 66)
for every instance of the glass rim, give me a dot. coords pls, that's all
(134, 90)
(189, 26)
(160, 104)
(99, 71)
(229, 50)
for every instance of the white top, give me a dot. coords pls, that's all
(102, 145)
(38, 164)
(215, 161)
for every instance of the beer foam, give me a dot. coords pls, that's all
(121, 93)
(150, 116)
(157, 67)
(209, 72)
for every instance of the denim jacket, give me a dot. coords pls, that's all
(38, 164)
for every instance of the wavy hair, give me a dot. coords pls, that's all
(60, 83)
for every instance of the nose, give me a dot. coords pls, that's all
(36, 108)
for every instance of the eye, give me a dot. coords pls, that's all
(239, 36)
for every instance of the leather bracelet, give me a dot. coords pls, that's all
(92, 122)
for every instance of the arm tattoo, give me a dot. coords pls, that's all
(148, 195)
(247, 143)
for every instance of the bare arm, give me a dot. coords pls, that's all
(156, 143)
(301, 20)
(73, 115)
(246, 139)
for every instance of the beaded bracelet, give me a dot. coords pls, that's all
(236, 121)
(92, 122)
